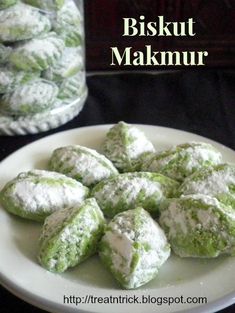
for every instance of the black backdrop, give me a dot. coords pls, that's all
(202, 102)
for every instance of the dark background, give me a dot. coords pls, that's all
(199, 101)
(215, 29)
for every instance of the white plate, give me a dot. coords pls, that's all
(22, 275)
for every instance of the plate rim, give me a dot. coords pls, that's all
(110, 125)
(46, 304)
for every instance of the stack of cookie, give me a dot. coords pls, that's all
(41, 56)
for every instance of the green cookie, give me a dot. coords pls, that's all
(182, 160)
(199, 226)
(72, 87)
(125, 145)
(33, 97)
(37, 54)
(37, 193)
(10, 79)
(129, 190)
(7, 3)
(68, 24)
(70, 236)
(22, 21)
(133, 248)
(217, 181)
(47, 5)
(68, 65)
(81, 163)
(4, 54)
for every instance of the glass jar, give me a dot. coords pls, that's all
(42, 64)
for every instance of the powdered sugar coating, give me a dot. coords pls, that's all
(124, 145)
(182, 160)
(68, 65)
(38, 53)
(46, 5)
(22, 21)
(32, 97)
(126, 191)
(199, 226)
(72, 87)
(68, 24)
(134, 247)
(5, 52)
(83, 164)
(38, 193)
(10, 79)
(70, 235)
(217, 181)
